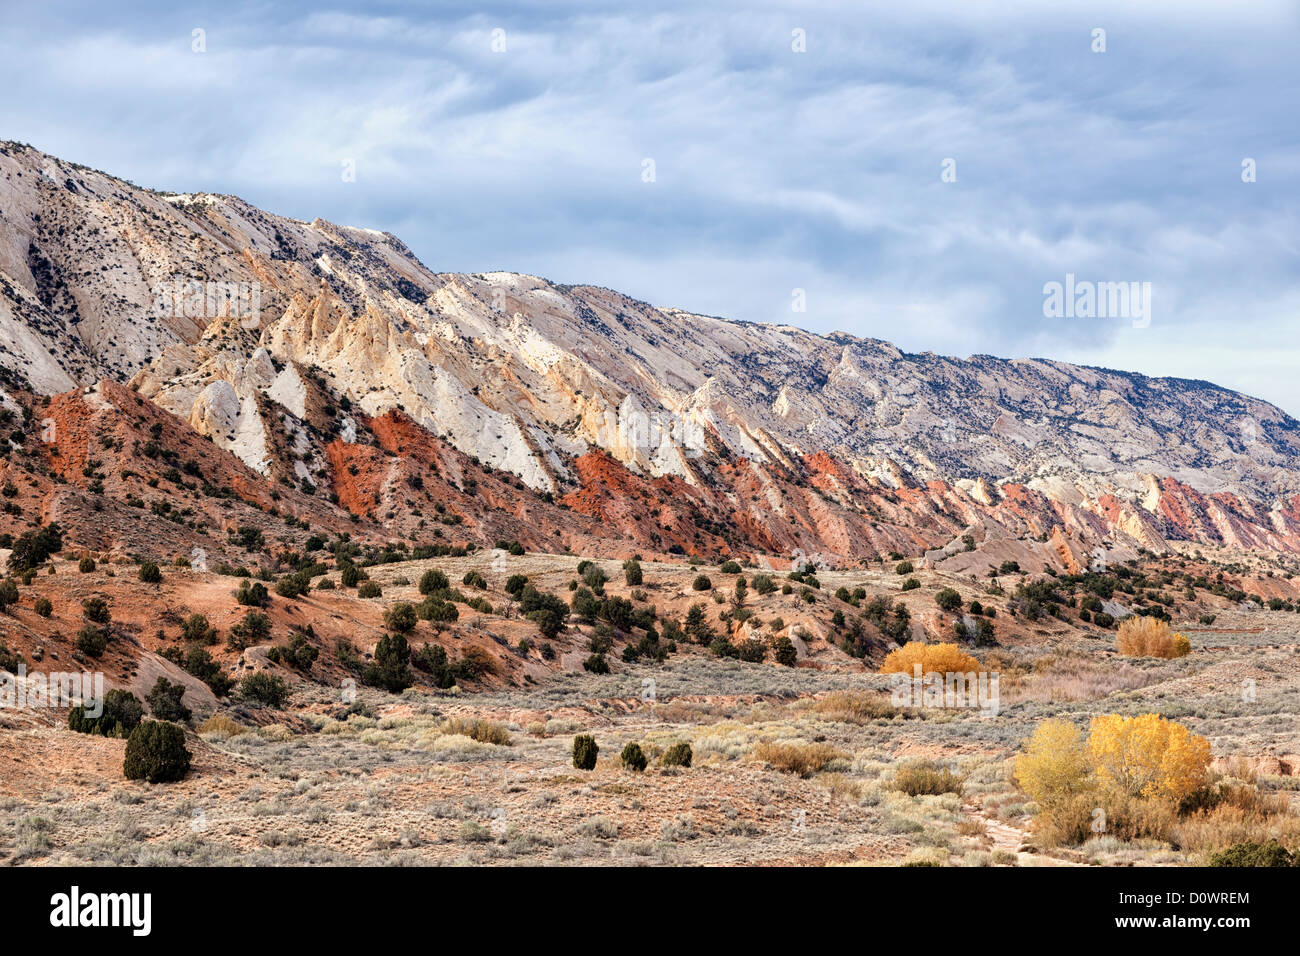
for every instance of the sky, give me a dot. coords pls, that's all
(915, 172)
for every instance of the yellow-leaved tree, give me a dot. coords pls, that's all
(1148, 756)
(1054, 766)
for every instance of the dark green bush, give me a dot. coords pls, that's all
(948, 599)
(264, 688)
(166, 701)
(400, 618)
(632, 572)
(122, 713)
(433, 581)
(156, 752)
(678, 755)
(1270, 854)
(391, 669)
(585, 752)
(149, 573)
(632, 758)
(92, 641)
(785, 652)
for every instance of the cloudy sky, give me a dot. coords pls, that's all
(522, 136)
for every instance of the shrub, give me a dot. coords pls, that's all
(196, 630)
(33, 548)
(632, 758)
(122, 713)
(433, 581)
(166, 701)
(264, 688)
(253, 629)
(515, 584)
(702, 583)
(926, 777)
(1137, 770)
(252, 594)
(156, 752)
(678, 755)
(933, 658)
(92, 641)
(400, 618)
(1150, 637)
(43, 607)
(785, 652)
(432, 659)
(911, 584)
(8, 595)
(350, 576)
(294, 585)
(299, 653)
(764, 584)
(149, 573)
(1102, 619)
(801, 759)
(632, 572)
(903, 567)
(1249, 853)
(948, 599)
(474, 663)
(474, 579)
(391, 668)
(729, 567)
(369, 589)
(584, 752)
(86, 565)
(596, 664)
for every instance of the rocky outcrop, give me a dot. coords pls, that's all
(278, 339)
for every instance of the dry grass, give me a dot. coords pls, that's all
(854, 706)
(484, 731)
(1149, 637)
(801, 759)
(926, 777)
(221, 724)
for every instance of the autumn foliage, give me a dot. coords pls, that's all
(1150, 637)
(1148, 756)
(933, 658)
(1131, 774)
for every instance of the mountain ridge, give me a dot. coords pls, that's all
(103, 279)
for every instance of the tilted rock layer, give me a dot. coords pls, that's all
(324, 357)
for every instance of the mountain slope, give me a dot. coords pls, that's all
(285, 343)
